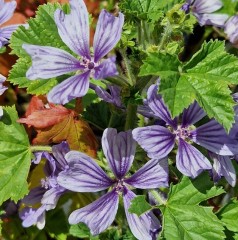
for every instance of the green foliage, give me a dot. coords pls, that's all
(205, 78)
(15, 157)
(228, 215)
(42, 31)
(139, 205)
(184, 218)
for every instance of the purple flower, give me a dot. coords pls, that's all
(204, 10)
(49, 192)
(2, 90)
(73, 29)
(158, 141)
(231, 29)
(6, 12)
(86, 176)
(222, 166)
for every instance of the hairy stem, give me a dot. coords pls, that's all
(38, 148)
(130, 116)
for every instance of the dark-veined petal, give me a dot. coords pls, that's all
(48, 62)
(98, 215)
(215, 19)
(108, 33)
(157, 141)
(2, 88)
(144, 227)
(213, 137)
(119, 149)
(192, 114)
(6, 10)
(34, 196)
(73, 87)
(73, 28)
(6, 33)
(156, 103)
(84, 175)
(204, 6)
(190, 161)
(153, 174)
(223, 166)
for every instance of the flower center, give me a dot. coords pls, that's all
(182, 132)
(119, 186)
(89, 64)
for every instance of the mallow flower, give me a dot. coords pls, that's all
(204, 10)
(158, 141)
(231, 29)
(6, 12)
(2, 90)
(86, 176)
(48, 193)
(73, 28)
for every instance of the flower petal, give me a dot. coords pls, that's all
(223, 166)
(213, 137)
(83, 175)
(190, 161)
(98, 215)
(34, 196)
(2, 88)
(108, 33)
(144, 227)
(192, 114)
(215, 19)
(6, 10)
(156, 103)
(43, 66)
(73, 87)
(153, 174)
(204, 6)
(73, 28)
(156, 140)
(119, 149)
(106, 69)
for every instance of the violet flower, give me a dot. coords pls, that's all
(86, 176)
(6, 12)
(2, 90)
(204, 10)
(231, 29)
(49, 192)
(158, 141)
(73, 29)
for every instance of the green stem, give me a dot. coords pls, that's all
(158, 197)
(130, 116)
(38, 148)
(165, 37)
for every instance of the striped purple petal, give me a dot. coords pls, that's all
(156, 103)
(145, 227)
(119, 149)
(84, 175)
(73, 87)
(98, 215)
(31, 216)
(192, 114)
(6, 10)
(222, 166)
(6, 33)
(231, 30)
(2, 88)
(108, 33)
(48, 62)
(156, 140)
(190, 161)
(153, 174)
(34, 196)
(213, 137)
(204, 6)
(215, 19)
(106, 69)
(73, 28)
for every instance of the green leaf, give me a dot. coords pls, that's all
(139, 205)
(228, 215)
(42, 31)
(184, 218)
(15, 157)
(205, 78)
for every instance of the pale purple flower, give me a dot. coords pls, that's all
(2, 90)
(231, 29)
(222, 166)
(204, 10)
(48, 193)
(158, 141)
(86, 176)
(6, 12)
(73, 28)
